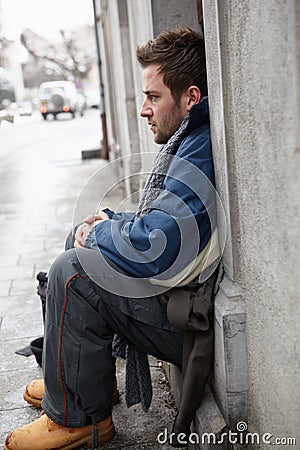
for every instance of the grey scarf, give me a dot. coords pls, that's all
(160, 166)
(138, 386)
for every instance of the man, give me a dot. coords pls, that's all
(122, 266)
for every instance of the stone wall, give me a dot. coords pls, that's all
(254, 98)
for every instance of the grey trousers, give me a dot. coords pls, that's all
(81, 319)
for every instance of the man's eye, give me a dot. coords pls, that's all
(153, 98)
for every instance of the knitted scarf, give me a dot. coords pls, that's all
(160, 166)
(138, 386)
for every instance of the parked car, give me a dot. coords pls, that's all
(22, 108)
(7, 92)
(60, 97)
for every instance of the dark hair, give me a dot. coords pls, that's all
(180, 54)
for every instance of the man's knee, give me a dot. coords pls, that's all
(64, 266)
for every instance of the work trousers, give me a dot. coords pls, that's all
(81, 320)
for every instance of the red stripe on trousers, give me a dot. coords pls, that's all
(60, 344)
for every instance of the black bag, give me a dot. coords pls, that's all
(42, 290)
(36, 346)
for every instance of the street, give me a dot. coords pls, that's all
(69, 136)
(31, 149)
(41, 173)
(42, 142)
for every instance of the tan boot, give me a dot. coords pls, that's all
(43, 434)
(35, 390)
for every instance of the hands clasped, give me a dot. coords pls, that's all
(88, 224)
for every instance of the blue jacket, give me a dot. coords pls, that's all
(178, 230)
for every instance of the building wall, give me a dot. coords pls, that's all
(255, 92)
(170, 14)
(120, 31)
(123, 25)
(140, 31)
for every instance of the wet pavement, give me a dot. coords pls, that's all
(45, 187)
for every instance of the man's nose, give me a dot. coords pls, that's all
(146, 111)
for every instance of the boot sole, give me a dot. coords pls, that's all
(105, 435)
(32, 401)
(38, 403)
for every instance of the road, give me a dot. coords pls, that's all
(60, 139)
(41, 174)
(31, 151)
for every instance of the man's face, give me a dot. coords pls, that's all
(163, 114)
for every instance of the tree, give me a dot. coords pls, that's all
(60, 61)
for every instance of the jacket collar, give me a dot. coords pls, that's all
(199, 114)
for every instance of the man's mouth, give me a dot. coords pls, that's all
(151, 125)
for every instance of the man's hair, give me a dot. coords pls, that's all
(180, 55)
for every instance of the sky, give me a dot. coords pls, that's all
(45, 17)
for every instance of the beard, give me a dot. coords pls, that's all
(169, 124)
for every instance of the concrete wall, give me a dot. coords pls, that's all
(253, 56)
(140, 31)
(120, 31)
(171, 14)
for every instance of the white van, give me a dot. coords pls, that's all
(60, 97)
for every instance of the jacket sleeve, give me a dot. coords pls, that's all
(143, 247)
(172, 234)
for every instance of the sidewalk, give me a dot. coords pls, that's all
(32, 233)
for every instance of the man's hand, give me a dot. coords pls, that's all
(97, 217)
(84, 229)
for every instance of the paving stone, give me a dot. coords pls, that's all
(8, 257)
(36, 246)
(13, 384)
(10, 361)
(13, 270)
(22, 326)
(23, 286)
(4, 288)
(15, 304)
(41, 262)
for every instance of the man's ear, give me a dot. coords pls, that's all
(193, 96)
